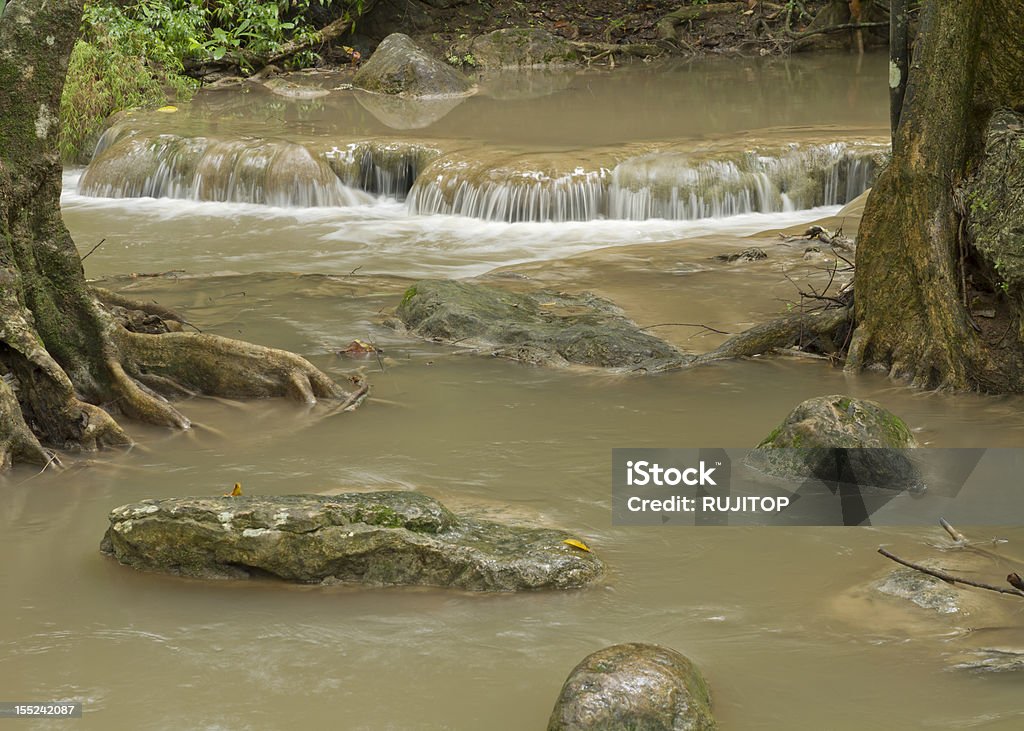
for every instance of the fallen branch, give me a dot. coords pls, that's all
(785, 332)
(686, 324)
(328, 33)
(947, 577)
(835, 28)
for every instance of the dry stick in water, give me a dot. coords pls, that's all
(949, 578)
(953, 532)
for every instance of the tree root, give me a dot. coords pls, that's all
(817, 331)
(17, 442)
(213, 365)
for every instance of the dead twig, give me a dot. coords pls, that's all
(948, 577)
(94, 248)
(953, 532)
(686, 324)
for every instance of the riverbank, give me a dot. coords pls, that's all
(608, 31)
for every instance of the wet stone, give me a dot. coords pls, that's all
(633, 686)
(375, 538)
(399, 66)
(540, 327)
(840, 439)
(751, 254)
(521, 47)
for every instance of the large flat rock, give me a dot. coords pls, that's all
(541, 327)
(375, 538)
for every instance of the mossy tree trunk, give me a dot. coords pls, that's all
(68, 363)
(910, 306)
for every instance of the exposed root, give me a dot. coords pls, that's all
(213, 365)
(817, 332)
(112, 300)
(17, 442)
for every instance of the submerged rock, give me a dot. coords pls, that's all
(991, 660)
(399, 66)
(840, 439)
(751, 254)
(544, 328)
(292, 90)
(522, 47)
(633, 686)
(924, 590)
(377, 538)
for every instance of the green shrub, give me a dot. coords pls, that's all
(137, 54)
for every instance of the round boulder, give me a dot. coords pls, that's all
(399, 66)
(518, 47)
(633, 686)
(840, 439)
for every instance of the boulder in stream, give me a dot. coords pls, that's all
(399, 66)
(540, 327)
(375, 538)
(633, 686)
(840, 439)
(752, 254)
(518, 47)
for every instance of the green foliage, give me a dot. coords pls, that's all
(102, 79)
(138, 53)
(247, 32)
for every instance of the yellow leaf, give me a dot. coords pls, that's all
(236, 492)
(576, 544)
(169, 109)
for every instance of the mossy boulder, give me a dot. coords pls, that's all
(399, 66)
(995, 200)
(540, 327)
(375, 538)
(634, 687)
(840, 439)
(518, 47)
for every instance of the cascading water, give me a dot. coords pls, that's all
(668, 185)
(478, 190)
(387, 169)
(198, 168)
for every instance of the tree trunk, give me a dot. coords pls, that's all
(910, 307)
(67, 362)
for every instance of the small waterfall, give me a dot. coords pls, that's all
(264, 172)
(477, 190)
(388, 169)
(664, 184)
(675, 186)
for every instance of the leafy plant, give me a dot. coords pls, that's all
(140, 52)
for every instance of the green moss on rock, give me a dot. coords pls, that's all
(400, 67)
(377, 538)
(635, 687)
(542, 327)
(839, 437)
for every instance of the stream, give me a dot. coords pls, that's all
(298, 223)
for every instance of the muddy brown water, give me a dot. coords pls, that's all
(755, 608)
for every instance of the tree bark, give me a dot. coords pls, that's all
(910, 311)
(66, 362)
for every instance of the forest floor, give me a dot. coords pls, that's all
(749, 27)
